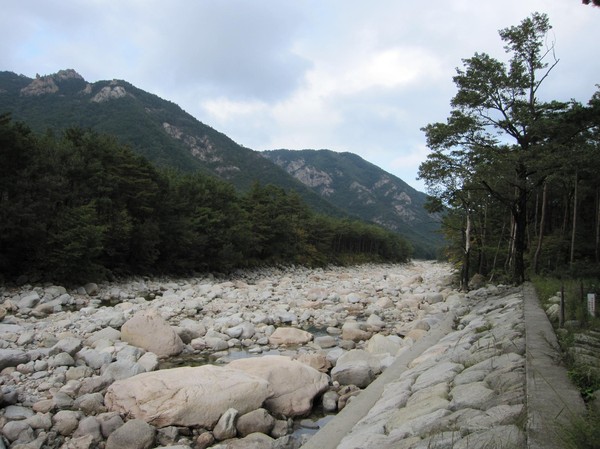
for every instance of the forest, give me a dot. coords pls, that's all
(518, 174)
(80, 206)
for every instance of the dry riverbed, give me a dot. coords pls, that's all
(231, 362)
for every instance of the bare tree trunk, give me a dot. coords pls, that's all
(597, 248)
(467, 253)
(483, 233)
(538, 250)
(574, 228)
(511, 245)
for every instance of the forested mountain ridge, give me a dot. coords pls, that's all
(364, 190)
(82, 206)
(153, 127)
(167, 136)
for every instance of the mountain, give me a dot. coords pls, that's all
(364, 190)
(338, 184)
(155, 128)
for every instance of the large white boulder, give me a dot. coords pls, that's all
(148, 330)
(380, 344)
(289, 336)
(294, 384)
(187, 396)
(356, 367)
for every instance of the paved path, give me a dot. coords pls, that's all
(552, 400)
(502, 384)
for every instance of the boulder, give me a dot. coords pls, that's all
(109, 422)
(29, 301)
(289, 336)
(358, 373)
(79, 442)
(433, 298)
(91, 289)
(356, 367)
(122, 369)
(375, 322)
(94, 359)
(325, 341)
(255, 421)
(107, 333)
(316, 360)
(17, 412)
(351, 330)
(134, 434)
(330, 400)
(148, 330)
(90, 403)
(379, 344)
(252, 441)
(225, 427)
(187, 396)
(66, 421)
(204, 440)
(70, 345)
(12, 357)
(89, 427)
(294, 385)
(149, 361)
(18, 430)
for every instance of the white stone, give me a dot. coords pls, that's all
(289, 336)
(187, 396)
(148, 330)
(293, 384)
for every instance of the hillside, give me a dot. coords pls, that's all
(168, 136)
(157, 129)
(364, 190)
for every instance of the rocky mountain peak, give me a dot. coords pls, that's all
(49, 84)
(111, 92)
(40, 86)
(67, 75)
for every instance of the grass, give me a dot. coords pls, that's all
(582, 433)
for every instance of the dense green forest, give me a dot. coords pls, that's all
(519, 175)
(80, 206)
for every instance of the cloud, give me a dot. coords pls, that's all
(237, 49)
(342, 74)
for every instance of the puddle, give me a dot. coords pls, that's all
(215, 358)
(228, 355)
(311, 424)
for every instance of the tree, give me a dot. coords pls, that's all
(495, 119)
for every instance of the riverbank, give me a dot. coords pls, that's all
(492, 378)
(79, 368)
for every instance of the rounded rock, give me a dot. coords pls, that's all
(134, 434)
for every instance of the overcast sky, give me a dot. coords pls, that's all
(346, 75)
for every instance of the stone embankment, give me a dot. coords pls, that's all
(115, 366)
(465, 391)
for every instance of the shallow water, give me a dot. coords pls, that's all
(212, 358)
(228, 355)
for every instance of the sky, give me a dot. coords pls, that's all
(344, 75)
